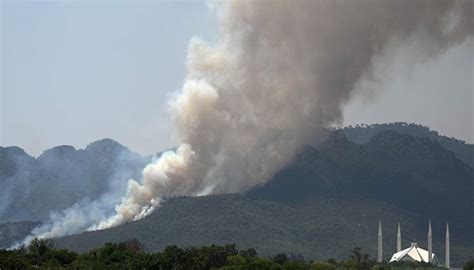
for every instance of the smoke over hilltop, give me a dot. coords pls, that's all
(280, 72)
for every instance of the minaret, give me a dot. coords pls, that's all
(447, 245)
(399, 239)
(379, 249)
(430, 243)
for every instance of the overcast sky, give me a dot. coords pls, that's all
(76, 72)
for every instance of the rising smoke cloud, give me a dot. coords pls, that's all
(279, 73)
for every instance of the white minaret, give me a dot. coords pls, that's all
(399, 239)
(379, 246)
(430, 244)
(447, 245)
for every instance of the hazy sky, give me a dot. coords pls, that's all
(75, 72)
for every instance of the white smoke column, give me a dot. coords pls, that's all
(168, 176)
(279, 73)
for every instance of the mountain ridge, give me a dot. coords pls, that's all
(333, 191)
(362, 133)
(327, 201)
(32, 187)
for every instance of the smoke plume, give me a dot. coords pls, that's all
(279, 73)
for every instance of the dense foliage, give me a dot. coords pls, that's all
(41, 254)
(363, 133)
(322, 228)
(469, 265)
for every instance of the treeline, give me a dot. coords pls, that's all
(41, 254)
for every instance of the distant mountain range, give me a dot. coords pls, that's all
(62, 176)
(327, 201)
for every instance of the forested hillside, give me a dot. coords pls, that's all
(414, 174)
(362, 133)
(324, 203)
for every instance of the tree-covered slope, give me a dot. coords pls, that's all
(324, 203)
(270, 227)
(415, 174)
(320, 229)
(362, 133)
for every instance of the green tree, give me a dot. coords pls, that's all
(14, 260)
(295, 265)
(60, 256)
(38, 248)
(248, 253)
(236, 260)
(332, 261)
(259, 263)
(469, 265)
(280, 258)
(358, 260)
(323, 266)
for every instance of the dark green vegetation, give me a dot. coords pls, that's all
(327, 201)
(61, 176)
(130, 255)
(361, 134)
(323, 204)
(413, 174)
(323, 228)
(469, 265)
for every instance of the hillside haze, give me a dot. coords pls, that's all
(61, 176)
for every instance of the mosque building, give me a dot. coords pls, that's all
(414, 253)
